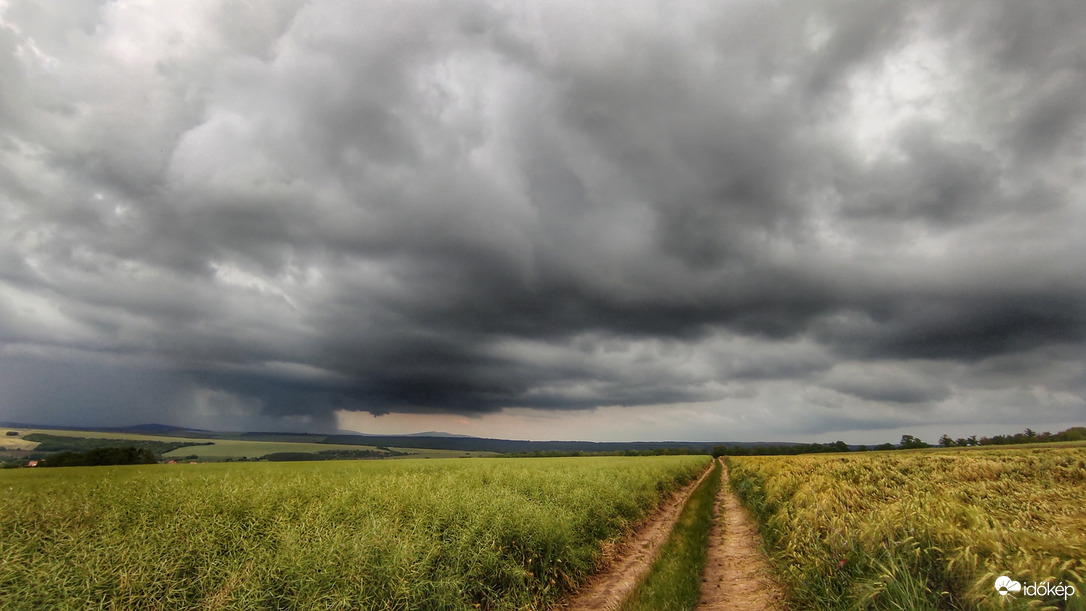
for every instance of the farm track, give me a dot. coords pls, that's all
(737, 576)
(629, 561)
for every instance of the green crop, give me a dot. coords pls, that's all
(674, 582)
(410, 534)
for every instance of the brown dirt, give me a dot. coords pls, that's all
(737, 576)
(626, 563)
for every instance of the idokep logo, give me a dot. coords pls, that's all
(1005, 585)
(1008, 587)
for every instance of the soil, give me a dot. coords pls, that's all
(628, 561)
(737, 575)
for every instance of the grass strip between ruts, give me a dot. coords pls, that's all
(674, 582)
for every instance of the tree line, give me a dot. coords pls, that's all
(101, 456)
(908, 442)
(1075, 433)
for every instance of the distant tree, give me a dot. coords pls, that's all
(1075, 433)
(972, 440)
(946, 441)
(961, 442)
(885, 446)
(101, 456)
(908, 442)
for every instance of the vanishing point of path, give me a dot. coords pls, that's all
(632, 558)
(737, 576)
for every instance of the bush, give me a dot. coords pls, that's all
(101, 456)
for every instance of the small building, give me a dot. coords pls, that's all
(32, 463)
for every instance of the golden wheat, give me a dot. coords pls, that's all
(930, 529)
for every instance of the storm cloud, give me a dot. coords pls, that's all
(842, 216)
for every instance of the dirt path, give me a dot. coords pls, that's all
(628, 562)
(737, 576)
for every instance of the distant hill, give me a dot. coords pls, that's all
(429, 440)
(519, 446)
(437, 434)
(163, 430)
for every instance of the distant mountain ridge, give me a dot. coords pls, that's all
(168, 430)
(429, 440)
(158, 429)
(437, 434)
(522, 446)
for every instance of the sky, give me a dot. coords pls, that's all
(704, 221)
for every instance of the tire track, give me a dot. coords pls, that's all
(737, 575)
(628, 562)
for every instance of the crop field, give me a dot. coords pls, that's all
(221, 449)
(408, 534)
(216, 448)
(924, 529)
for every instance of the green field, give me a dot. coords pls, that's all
(902, 530)
(15, 443)
(220, 448)
(236, 448)
(409, 534)
(928, 529)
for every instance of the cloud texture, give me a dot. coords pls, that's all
(841, 216)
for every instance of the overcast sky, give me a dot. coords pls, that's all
(730, 220)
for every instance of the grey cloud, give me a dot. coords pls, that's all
(896, 383)
(396, 195)
(939, 182)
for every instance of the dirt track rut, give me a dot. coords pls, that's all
(737, 576)
(629, 561)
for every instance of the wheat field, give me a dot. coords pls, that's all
(921, 530)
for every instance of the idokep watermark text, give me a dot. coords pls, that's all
(1009, 587)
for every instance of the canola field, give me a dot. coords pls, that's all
(924, 529)
(409, 534)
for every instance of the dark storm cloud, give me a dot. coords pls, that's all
(301, 207)
(887, 383)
